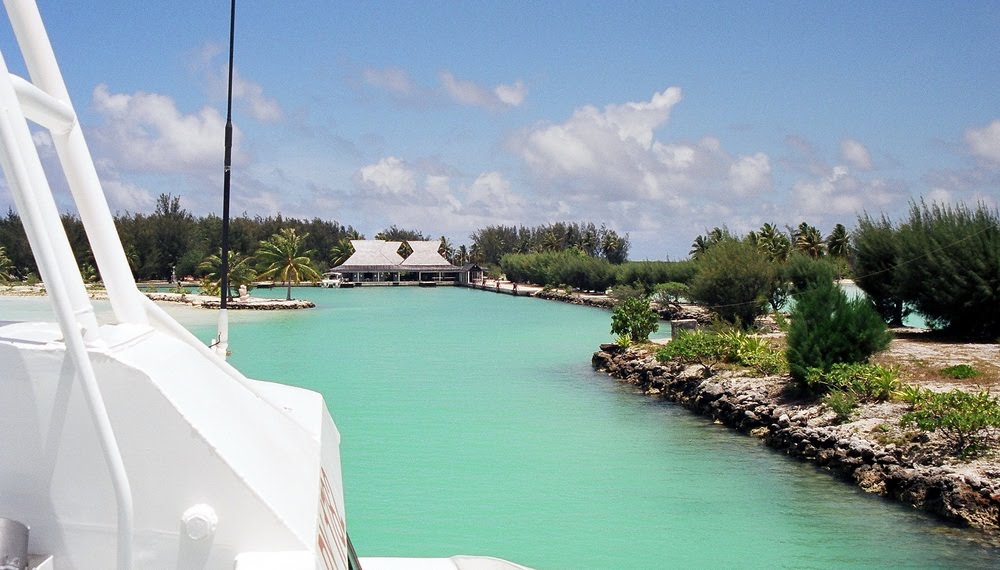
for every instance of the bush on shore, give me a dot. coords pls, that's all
(730, 344)
(734, 279)
(634, 319)
(827, 329)
(943, 261)
(969, 422)
(581, 271)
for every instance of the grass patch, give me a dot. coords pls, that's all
(960, 372)
(728, 345)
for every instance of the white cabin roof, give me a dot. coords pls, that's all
(425, 254)
(369, 252)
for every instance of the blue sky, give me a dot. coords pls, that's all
(660, 119)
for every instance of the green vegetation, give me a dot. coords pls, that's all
(969, 422)
(492, 243)
(570, 267)
(943, 261)
(767, 263)
(283, 258)
(730, 345)
(843, 404)
(827, 329)
(960, 372)
(697, 347)
(865, 382)
(6, 266)
(634, 319)
(733, 279)
(876, 255)
(671, 292)
(241, 272)
(578, 270)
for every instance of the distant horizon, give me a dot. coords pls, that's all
(661, 119)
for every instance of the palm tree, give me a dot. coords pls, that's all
(700, 246)
(6, 265)
(282, 257)
(773, 242)
(462, 257)
(838, 241)
(341, 252)
(241, 271)
(447, 250)
(809, 241)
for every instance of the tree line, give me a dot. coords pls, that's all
(171, 241)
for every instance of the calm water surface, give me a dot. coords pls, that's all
(472, 423)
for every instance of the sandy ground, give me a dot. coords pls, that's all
(921, 355)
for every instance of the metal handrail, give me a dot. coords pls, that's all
(48, 103)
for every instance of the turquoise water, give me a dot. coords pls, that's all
(472, 423)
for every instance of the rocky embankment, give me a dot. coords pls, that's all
(252, 303)
(668, 312)
(870, 452)
(600, 301)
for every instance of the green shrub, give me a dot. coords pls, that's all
(732, 345)
(733, 280)
(910, 394)
(875, 261)
(697, 347)
(672, 292)
(968, 422)
(828, 329)
(841, 403)
(559, 269)
(753, 352)
(634, 318)
(866, 382)
(960, 372)
(649, 273)
(622, 292)
(956, 283)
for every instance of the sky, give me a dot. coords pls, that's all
(659, 119)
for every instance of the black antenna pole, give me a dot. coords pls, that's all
(228, 165)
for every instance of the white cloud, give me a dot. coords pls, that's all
(465, 92)
(842, 193)
(392, 191)
(389, 176)
(472, 94)
(940, 196)
(490, 196)
(614, 144)
(392, 79)
(984, 143)
(261, 107)
(146, 132)
(248, 95)
(511, 95)
(750, 174)
(42, 140)
(855, 154)
(612, 154)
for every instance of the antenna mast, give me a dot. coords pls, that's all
(221, 344)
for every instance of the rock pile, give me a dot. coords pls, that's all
(907, 471)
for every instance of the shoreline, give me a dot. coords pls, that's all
(872, 452)
(191, 299)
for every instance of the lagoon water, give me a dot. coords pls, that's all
(472, 423)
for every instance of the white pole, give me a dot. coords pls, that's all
(71, 147)
(221, 344)
(40, 215)
(18, 159)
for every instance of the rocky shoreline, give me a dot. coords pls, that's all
(201, 301)
(251, 303)
(870, 452)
